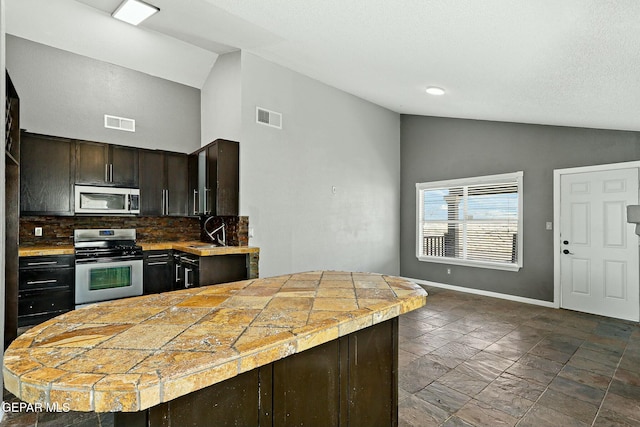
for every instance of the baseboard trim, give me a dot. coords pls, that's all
(485, 293)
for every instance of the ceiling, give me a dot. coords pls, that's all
(569, 62)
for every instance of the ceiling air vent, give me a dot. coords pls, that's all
(119, 123)
(268, 118)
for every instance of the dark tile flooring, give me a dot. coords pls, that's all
(468, 360)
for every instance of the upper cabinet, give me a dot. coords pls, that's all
(176, 184)
(46, 175)
(106, 164)
(163, 183)
(218, 180)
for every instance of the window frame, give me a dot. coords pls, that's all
(515, 177)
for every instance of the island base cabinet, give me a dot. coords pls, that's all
(351, 381)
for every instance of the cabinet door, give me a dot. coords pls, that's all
(123, 166)
(92, 163)
(158, 272)
(46, 175)
(177, 184)
(223, 177)
(151, 182)
(193, 207)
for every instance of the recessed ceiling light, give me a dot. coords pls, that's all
(134, 11)
(433, 90)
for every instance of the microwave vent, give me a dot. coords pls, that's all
(119, 123)
(268, 118)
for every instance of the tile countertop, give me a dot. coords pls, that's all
(131, 354)
(195, 247)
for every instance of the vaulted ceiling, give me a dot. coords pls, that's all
(569, 62)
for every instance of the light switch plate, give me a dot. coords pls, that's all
(549, 225)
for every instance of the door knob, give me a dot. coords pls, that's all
(566, 242)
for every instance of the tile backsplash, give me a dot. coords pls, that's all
(58, 230)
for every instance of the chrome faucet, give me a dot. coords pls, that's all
(212, 234)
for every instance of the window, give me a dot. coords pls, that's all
(471, 221)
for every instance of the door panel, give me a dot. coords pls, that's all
(599, 266)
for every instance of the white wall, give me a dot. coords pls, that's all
(329, 138)
(220, 100)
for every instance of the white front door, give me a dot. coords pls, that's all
(599, 264)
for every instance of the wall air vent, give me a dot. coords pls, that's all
(268, 118)
(119, 123)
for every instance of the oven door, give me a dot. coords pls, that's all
(107, 280)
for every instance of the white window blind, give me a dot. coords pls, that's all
(471, 221)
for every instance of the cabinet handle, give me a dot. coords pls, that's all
(177, 273)
(195, 197)
(187, 282)
(43, 263)
(157, 256)
(42, 282)
(162, 209)
(206, 201)
(110, 172)
(106, 172)
(166, 200)
(158, 263)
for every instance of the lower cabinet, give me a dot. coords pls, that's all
(194, 271)
(46, 286)
(350, 381)
(158, 271)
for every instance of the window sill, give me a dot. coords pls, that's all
(469, 263)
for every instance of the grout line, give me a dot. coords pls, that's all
(606, 393)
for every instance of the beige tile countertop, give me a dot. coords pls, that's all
(193, 247)
(131, 354)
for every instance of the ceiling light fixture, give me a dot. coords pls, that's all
(134, 11)
(433, 90)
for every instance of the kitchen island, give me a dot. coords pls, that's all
(316, 348)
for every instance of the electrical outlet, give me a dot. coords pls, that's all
(549, 226)
(38, 232)
(448, 271)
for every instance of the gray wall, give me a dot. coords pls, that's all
(221, 98)
(440, 148)
(329, 138)
(65, 94)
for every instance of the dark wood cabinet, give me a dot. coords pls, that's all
(11, 209)
(46, 175)
(350, 381)
(164, 183)
(46, 288)
(176, 172)
(106, 164)
(219, 178)
(158, 273)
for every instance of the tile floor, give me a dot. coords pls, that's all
(467, 360)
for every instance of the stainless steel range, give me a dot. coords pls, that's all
(108, 265)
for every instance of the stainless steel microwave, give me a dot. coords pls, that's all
(106, 200)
